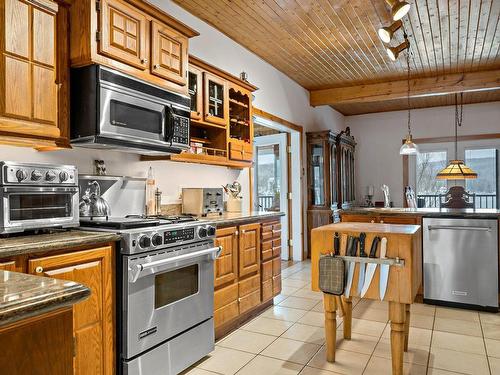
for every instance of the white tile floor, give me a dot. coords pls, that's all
(289, 338)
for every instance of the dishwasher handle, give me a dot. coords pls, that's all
(458, 227)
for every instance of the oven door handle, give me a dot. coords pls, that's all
(38, 189)
(136, 270)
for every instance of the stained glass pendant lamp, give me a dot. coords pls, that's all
(456, 169)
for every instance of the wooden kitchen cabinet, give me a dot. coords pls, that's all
(216, 107)
(271, 253)
(249, 255)
(226, 265)
(195, 76)
(34, 61)
(93, 319)
(134, 37)
(382, 219)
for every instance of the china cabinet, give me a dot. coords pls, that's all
(330, 160)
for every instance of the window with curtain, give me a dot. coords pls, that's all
(484, 162)
(428, 188)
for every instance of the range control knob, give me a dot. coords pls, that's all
(21, 175)
(157, 240)
(202, 232)
(50, 176)
(63, 176)
(36, 175)
(211, 230)
(144, 242)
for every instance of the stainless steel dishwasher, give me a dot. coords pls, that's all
(461, 262)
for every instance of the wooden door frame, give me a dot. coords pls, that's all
(298, 128)
(461, 138)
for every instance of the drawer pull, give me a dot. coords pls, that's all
(372, 221)
(39, 269)
(243, 231)
(276, 231)
(236, 233)
(381, 221)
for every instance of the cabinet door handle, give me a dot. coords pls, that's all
(144, 61)
(381, 221)
(156, 66)
(243, 231)
(39, 269)
(236, 233)
(372, 221)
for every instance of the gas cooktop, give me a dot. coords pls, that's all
(134, 221)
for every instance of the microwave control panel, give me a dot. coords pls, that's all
(181, 130)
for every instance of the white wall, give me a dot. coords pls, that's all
(277, 94)
(379, 137)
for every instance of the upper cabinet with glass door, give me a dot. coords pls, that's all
(195, 89)
(216, 100)
(134, 37)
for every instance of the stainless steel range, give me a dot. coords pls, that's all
(36, 196)
(165, 292)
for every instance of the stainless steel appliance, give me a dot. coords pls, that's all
(114, 111)
(37, 196)
(165, 291)
(202, 201)
(461, 262)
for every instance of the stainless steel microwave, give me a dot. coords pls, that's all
(112, 110)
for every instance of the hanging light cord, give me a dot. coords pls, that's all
(458, 119)
(408, 80)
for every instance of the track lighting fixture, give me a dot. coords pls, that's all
(386, 33)
(398, 8)
(394, 52)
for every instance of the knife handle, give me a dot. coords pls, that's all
(373, 250)
(336, 243)
(362, 239)
(348, 245)
(354, 248)
(383, 248)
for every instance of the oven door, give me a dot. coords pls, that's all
(166, 294)
(26, 208)
(131, 115)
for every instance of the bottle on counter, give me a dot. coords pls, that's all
(150, 193)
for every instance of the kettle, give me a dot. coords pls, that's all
(92, 203)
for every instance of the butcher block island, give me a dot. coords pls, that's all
(402, 263)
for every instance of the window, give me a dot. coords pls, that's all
(428, 188)
(484, 163)
(268, 177)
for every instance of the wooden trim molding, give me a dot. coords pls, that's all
(420, 87)
(290, 125)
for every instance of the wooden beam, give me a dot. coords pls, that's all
(419, 87)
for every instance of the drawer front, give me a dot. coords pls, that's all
(226, 313)
(267, 250)
(249, 285)
(277, 247)
(276, 285)
(398, 220)
(276, 228)
(276, 266)
(249, 301)
(267, 290)
(225, 296)
(267, 270)
(266, 234)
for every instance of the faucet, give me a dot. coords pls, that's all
(387, 196)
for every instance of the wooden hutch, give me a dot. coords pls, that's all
(221, 129)
(330, 176)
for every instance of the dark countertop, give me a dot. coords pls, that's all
(237, 218)
(23, 295)
(431, 212)
(59, 240)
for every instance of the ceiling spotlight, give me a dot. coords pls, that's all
(394, 52)
(386, 33)
(398, 8)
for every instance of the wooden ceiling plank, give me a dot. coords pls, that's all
(463, 29)
(453, 37)
(420, 87)
(418, 42)
(430, 49)
(475, 13)
(492, 54)
(489, 34)
(444, 26)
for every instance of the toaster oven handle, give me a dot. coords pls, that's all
(136, 270)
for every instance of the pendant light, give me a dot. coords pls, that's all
(456, 169)
(399, 9)
(386, 33)
(408, 148)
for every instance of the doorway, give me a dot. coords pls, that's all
(271, 179)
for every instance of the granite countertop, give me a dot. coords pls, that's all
(58, 240)
(236, 218)
(23, 295)
(434, 212)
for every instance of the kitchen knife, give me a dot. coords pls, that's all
(347, 251)
(384, 269)
(350, 273)
(362, 266)
(371, 267)
(336, 244)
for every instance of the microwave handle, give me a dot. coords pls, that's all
(169, 123)
(136, 269)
